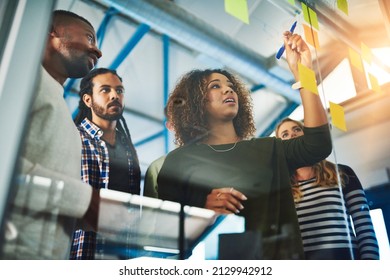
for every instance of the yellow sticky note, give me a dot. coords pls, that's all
(366, 53)
(311, 36)
(374, 83)
(342, 5)
(310, 16)
(292, 2)
(338, 116)
(355, 59)
(307, 78)
(238, 9)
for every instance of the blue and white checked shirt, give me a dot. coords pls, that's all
(95, 171)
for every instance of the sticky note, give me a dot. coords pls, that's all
(238, 9)
(307, 78)
(342, 5)
(292, 2)
(374, 83)
(311, 36)
(310, 16)
(366, 53)
(338, 116)
(356, 60)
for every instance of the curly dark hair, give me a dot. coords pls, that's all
(187, 107)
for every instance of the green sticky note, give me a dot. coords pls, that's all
(310, 16)
(307, 78)
(338, 116)
(238, 9)
(342, 5)
(292, 2)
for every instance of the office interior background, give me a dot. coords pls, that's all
(151, 43)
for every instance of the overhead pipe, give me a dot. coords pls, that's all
(182, 26)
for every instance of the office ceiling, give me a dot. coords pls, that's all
(152, 43)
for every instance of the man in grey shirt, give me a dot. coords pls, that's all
(43, 218)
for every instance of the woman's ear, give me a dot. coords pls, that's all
(169, 125)
(87, 100)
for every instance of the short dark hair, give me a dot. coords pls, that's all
(58, 15)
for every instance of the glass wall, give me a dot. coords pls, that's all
(18, 72)
(132, 225)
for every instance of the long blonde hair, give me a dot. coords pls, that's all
(325, 171)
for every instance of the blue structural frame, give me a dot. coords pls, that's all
(103, 26)
(290, 107)
(129, 46)
(164, 132)
(149, 138)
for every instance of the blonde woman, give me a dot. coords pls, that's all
(321, 208)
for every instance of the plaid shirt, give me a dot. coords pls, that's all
(95, 171)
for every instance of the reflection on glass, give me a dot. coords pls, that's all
(381, 233)
(132, 226)
(33, 219)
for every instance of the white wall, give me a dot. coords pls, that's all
(366, 145)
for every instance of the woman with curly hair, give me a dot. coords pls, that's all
(324, 212)
(220, 166)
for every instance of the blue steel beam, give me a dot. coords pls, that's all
(133, 41)
(257, 87)
(103, 26)
(164, 132)
(150, 138)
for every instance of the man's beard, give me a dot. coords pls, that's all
(76, 64)
(99, 111)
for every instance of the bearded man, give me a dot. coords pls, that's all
(109, 159)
